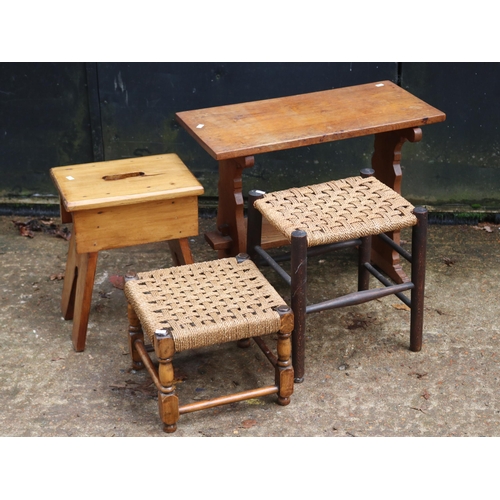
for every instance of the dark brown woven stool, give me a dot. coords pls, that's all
(335, 215)
(203, 304)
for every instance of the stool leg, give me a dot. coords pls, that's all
(365, 251)
(366, 246)
(69, 285)
(134, 333)
(77, 291)
(86, 267)
(168, 402)
(284, 368)
(298, 300)
(419, 240)
(181, 252)
(254, 223)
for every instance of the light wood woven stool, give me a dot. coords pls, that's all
(334, 215)
(119, 203)
(203, 304)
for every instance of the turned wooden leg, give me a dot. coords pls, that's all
(134, 333)
(284, 369)
(181, 252)
(230, 215)
(386, 161)
(298, 300)
(419, 238)
(168, 402)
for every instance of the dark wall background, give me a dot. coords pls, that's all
(44, 122)
(457, 161)
(54, 114)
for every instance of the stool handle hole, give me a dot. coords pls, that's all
(118, 177)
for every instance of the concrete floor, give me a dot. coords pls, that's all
(361, 379)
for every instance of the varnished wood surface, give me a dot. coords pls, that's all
(121, 203)
(124, 182)
(127, 225)
(302, 120)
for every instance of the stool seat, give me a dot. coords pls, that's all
(124, 182)
(205, 303)
(156, 196)
(336, 211)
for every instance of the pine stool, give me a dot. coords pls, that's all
(203, 304)
(119, 203)
(334, 215)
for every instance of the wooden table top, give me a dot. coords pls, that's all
(124, 182)
(251, 128)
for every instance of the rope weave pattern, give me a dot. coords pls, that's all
(338, 210)
(205, 303)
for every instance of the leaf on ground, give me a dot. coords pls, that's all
(145, 388)
(63, 233)
(247, 424)
(46, 222)
(44, 225)
(401, 307)
(357, 323)
(179, 376)
(425, 394)
(117, 281)
(59, 276)
(24, 230)
(485, 226)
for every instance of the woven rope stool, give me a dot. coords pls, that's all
(335, 215)
(203, 304)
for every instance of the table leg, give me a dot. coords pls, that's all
(230, 214)
(386, 161)
(77, 292)
(181, 252)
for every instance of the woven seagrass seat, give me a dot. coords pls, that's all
(337, 211)
(334, 215)
(202, 304)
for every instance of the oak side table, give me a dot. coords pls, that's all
(234, 133)
(119, 203)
